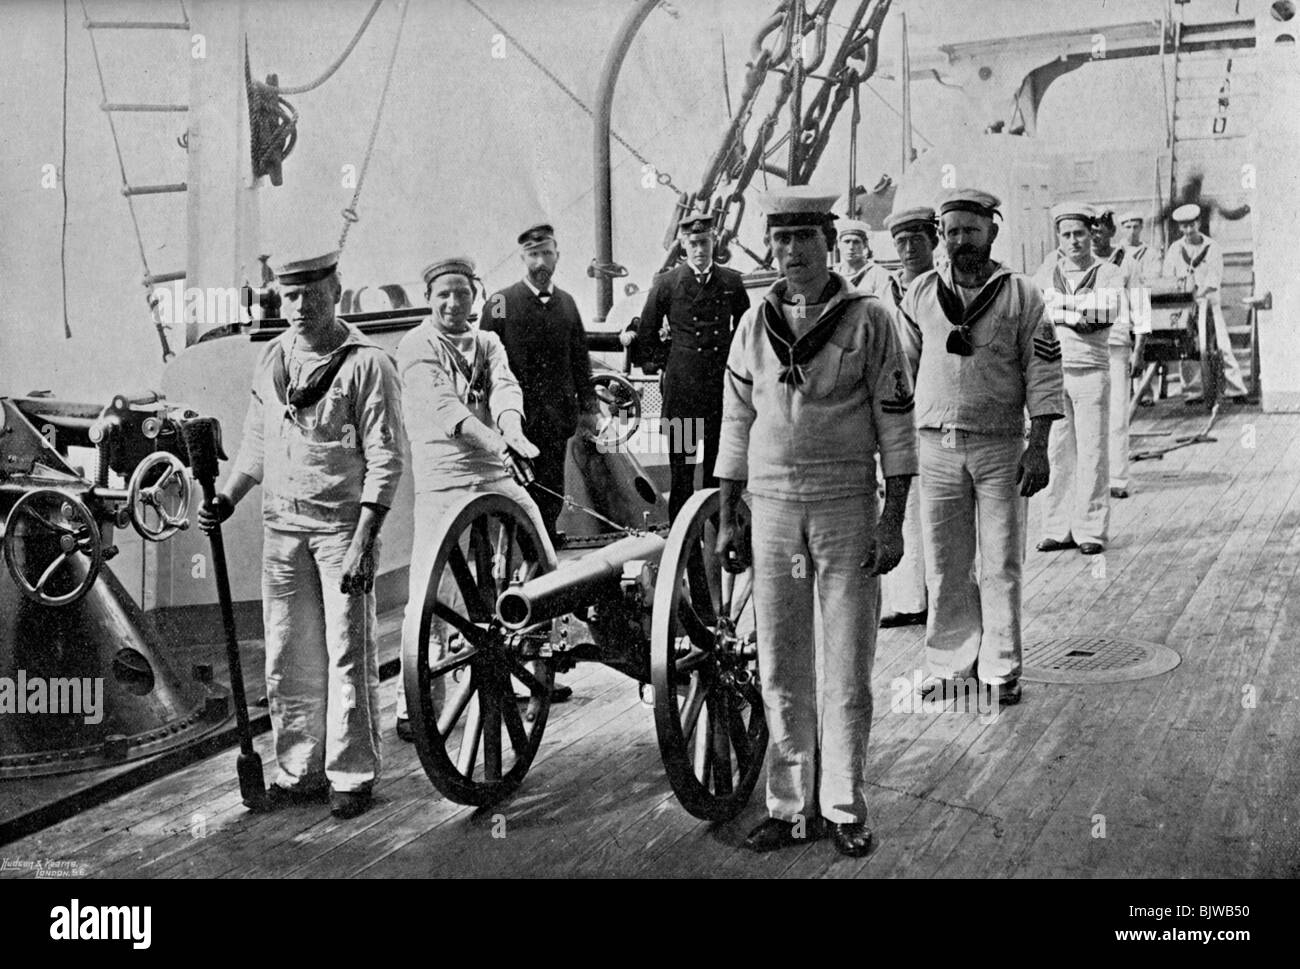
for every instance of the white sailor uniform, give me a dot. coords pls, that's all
(810, 397)
(1084, 307)
(970, 412)
(1203, 266)
(317, 465)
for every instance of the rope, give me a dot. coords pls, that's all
(350, 213)
(130, 205)
(329, 72)
(663, 177)
(882, 100)
(63, 181)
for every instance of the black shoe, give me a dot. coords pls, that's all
(1238, 399)
(774, 834)
(1008, 693)
(904, 619)
(1119, 492)
(278, 796)
(852, 839)
(405, 731)
(350, 804)
(1052, 545)
(1091, 548)
(1193, 401)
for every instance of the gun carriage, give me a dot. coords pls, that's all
(499, 620)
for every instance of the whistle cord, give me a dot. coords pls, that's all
(569, 502)
(350, 213)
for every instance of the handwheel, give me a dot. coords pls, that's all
(461, 674)
(704, 668)
(52, 547)
(158, 497)
(620, 407)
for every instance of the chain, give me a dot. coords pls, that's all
(663, 177)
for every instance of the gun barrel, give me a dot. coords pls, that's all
(575, 585)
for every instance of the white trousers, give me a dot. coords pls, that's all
(431, 509)
(1121, 396)
(970, 503)
(903, 589)
(1078, 495)
(815, 765)
(322, 663)
(1190, 370)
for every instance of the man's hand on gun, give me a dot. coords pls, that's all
(512, 432)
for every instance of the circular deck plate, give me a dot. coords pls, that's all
(1095, 659)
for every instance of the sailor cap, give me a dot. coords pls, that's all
(1073, 210)
(536, 235)
(1191, 212)
(920, 215)
(451, 264)
(798, 205)
(852, 227)
(970, 200)
(1130, 215)
(300, 272)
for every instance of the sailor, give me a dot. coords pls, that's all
(857, 266)
(1144, 258)
(1140, 263)
(1086, 298)
(541, 329)
(1103, 235)
(816, 385)
(1197, 261)
(984, 353)
(464, 415)
(902, 591)
(323, 436)
(688, 319)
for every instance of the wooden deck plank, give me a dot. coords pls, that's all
(1205, 558)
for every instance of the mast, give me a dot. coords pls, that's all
(222, 205)
(909, 153)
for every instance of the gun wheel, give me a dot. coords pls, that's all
(704, 667)
(462, 675)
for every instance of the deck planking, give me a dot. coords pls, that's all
(1190, 781)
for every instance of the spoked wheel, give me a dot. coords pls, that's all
(475, 739)
(158, 497)
(620, 408)
(704, 668)
(52, 547)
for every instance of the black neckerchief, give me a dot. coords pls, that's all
(1117, 257)
(794, 352)
(957, 312)
(1085, 284)
(1200, 256)
(316, 386)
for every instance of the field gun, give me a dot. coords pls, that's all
(499, 616)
